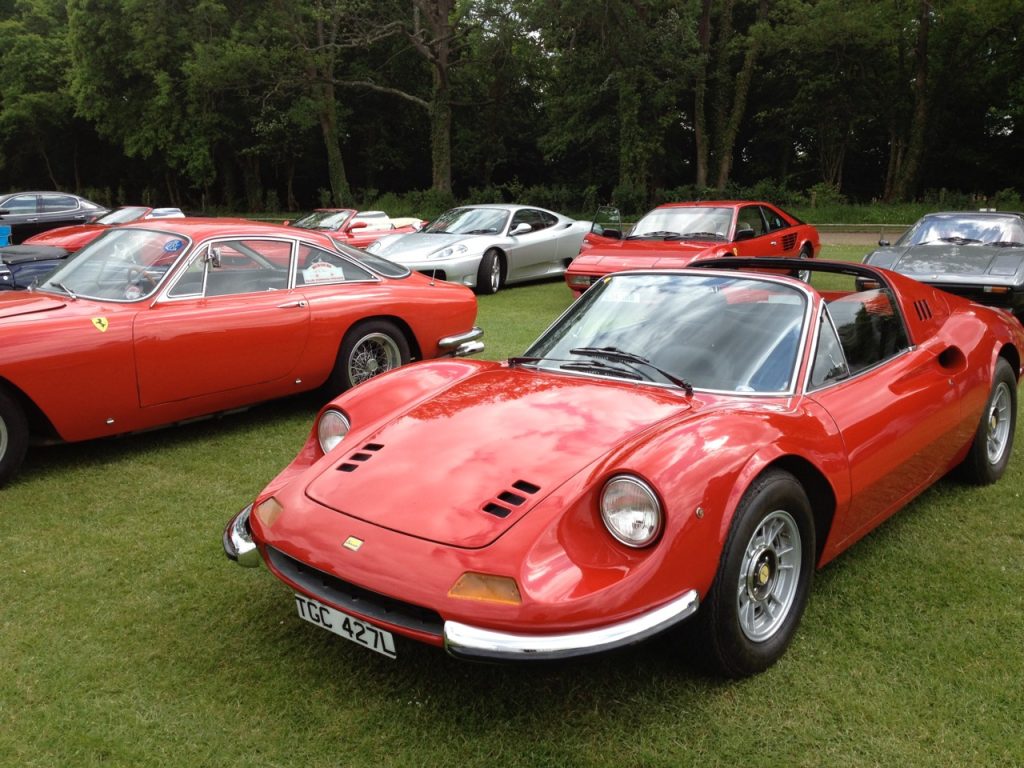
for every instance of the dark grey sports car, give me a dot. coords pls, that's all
(975, 254)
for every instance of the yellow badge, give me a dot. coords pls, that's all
(101, 323)
(352, 543)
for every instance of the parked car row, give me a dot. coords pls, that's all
(719, 414)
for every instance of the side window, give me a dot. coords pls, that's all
(774, 220)
(524, 216)
(870, 330)
(54, 203)
(750, 218)
(829, 362)
(318, 266)
(21, 204)
(544, 220)
(232, 267)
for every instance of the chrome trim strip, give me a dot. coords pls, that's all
(464, 641)
(237, 540)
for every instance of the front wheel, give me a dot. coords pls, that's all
(804, 274)
(368, 349)
(490, 274)
(764, 576)
(993, 440)
(13, 436)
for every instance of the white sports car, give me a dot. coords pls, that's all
(488, 246)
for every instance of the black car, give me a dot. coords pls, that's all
(21, 265)
(28, 213)
(975, 254)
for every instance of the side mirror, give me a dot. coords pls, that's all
(883, 243)
(521, 228)
(744, 234)
(359, 225)
(212, 257)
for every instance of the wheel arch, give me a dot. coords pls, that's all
(39, 424)
(819, 492)
(1011, 354)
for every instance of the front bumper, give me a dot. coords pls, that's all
(464, 641)
(461, 269)
(462, 344)
(237, 540)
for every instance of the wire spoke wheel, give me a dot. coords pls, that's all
(374, 353)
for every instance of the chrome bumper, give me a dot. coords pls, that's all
(237, 540)
(462, 344)
(468, 642)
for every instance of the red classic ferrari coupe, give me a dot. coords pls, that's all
(679, 443)
(677, 234)
(161, 321)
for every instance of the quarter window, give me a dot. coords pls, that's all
(869, 328)
(317, 266)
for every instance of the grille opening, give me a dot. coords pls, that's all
(525, 487)
(497, 510)
(924, 312)
(511, 498)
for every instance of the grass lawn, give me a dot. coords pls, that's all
(127, 638)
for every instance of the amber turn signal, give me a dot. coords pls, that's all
(482, 586)
(268, 511)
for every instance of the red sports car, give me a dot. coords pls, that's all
(356, 228)
(677, 234)
(74, 237)
(161, 321)
(698, 438)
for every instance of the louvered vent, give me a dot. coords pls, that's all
(360, 457)
(788, 241)
(510, 498)
(924, 312)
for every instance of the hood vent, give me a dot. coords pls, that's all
(511, 499)
(924, 312)
(361, 456)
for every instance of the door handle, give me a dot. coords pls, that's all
(292, 304)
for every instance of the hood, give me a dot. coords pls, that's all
(415, 245)
(461, 468)
(634, 254)
(953, 261)
(15, 304)
(22, 254)
(71, 238)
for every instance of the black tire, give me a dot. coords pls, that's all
(804, 274)
(13, 436)
(490, 275)
(992, 446)
(368, 349)
(770, 548)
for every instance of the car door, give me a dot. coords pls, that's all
(531, 252)
(752, 236)
(229, 321)
(22, 216)
(896, 406)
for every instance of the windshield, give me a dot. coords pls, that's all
(123, 215)
(698, 223)
(470, 221)
(323, 219)
(731, 334)
(965, 229)
(122, 265)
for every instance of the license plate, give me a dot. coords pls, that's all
(349, 627)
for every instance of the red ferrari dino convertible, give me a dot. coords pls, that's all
(679, 443)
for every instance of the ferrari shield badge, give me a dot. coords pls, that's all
(101, 323)
(352, 543)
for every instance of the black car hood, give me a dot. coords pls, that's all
(19, 254)
(952, 260)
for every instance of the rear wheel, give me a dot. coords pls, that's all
(368, 349)
(490, 274)
(804, 274)
(993, 441)
(754, 606)
(13, 436)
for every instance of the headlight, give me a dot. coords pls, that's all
(630, 511)
(331, 429)
(447, 253)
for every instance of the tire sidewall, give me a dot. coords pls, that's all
(483, 274)
(734, 653)
(15, 427)
(980, 469)
(339, 380)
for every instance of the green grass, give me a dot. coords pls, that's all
(127, 639)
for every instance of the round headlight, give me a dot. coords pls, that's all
(331, 429)
(630, 511)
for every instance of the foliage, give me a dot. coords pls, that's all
(225, 104)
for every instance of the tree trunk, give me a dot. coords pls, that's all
(328, 114)
(700, 93)
(906, 179)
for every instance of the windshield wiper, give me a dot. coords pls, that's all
(622, 356)
(1006, 244)
(661, 234)
(596, 366)
(959, 240)
(712, 235)
(66, 290)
